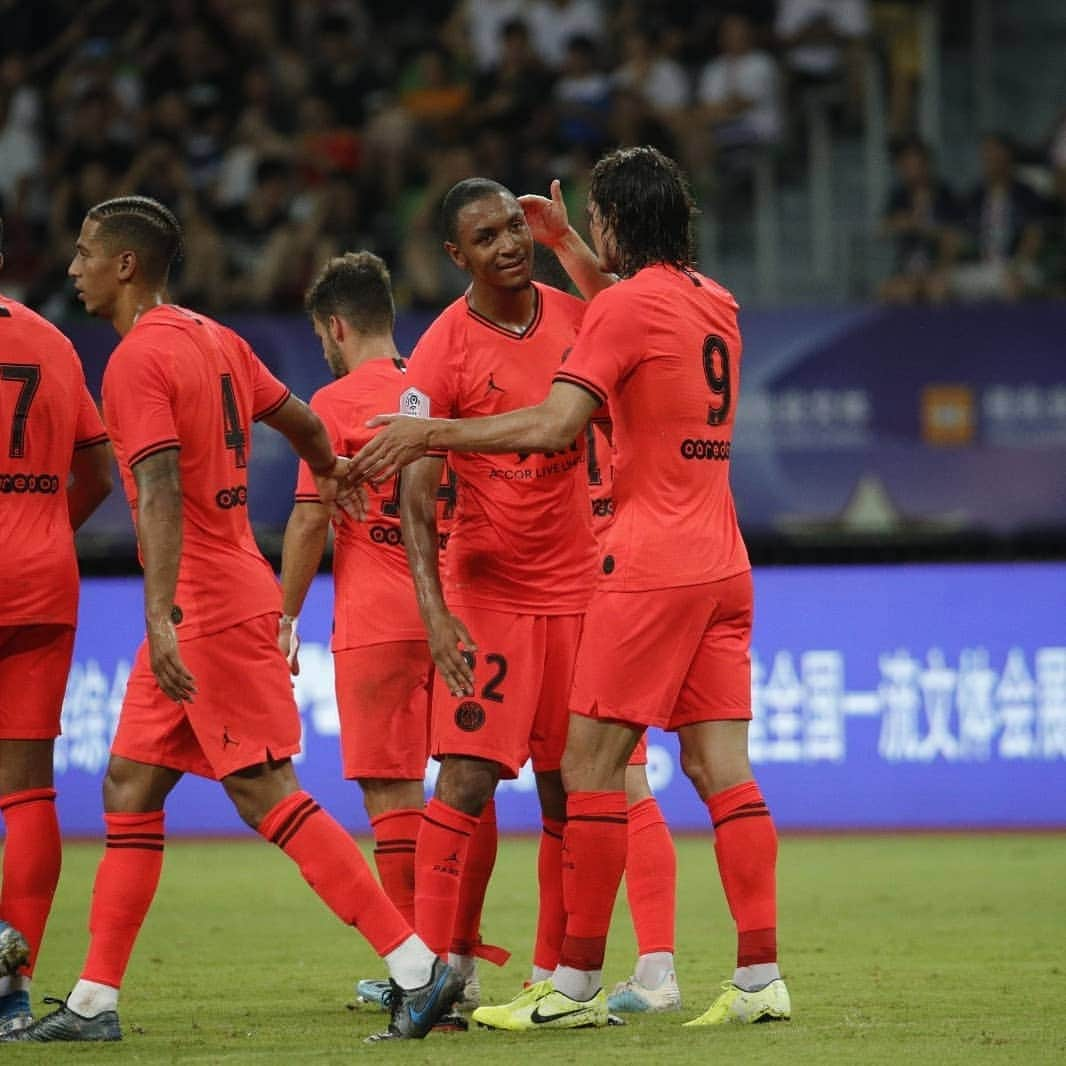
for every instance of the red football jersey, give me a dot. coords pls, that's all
(373, 595)
(663, 349)
(521, 540)
(178, 379)
(46, 413)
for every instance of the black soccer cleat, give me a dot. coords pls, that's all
(414, 1012)
(65, 1024)
(14, 951)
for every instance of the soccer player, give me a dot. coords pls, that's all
(209, 692)
(382, 665)
(667, 636)
(519, 568)
(50, 433)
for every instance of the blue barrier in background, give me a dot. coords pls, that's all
(910, 420)
(885, 697)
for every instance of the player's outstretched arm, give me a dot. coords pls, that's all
(305, 431)
(306, 534)
(551, 426)
(159, 533)
(91, 469)
(444, 632)
(549, 223)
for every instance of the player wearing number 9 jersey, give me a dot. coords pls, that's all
(49, 430)
(667, 635)
(209, 692)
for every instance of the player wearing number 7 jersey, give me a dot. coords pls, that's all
(49, 430)
(209, 692)
(667, 635)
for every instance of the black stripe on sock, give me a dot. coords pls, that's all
(303, 805)
(614, 819)
(551, 833)
(141, 847)
(394, 851)
(298, 825)
(134, 836)
(448, 828)
(764, 813)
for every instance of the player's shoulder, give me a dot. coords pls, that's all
(33, 326)
(446, 334)
(558, 302)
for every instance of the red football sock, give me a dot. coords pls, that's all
(125, 885)
(594, 859)
(651, 878)
(333, 866)
(745, 843)
(551, 912)
(395, 833)
(32, 857)
(480, 861)
(440, 856)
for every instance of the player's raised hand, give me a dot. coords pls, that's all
(547, 219)
(173, 677)
(403, 440)
(452, 649)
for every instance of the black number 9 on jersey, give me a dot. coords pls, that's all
(716, 371)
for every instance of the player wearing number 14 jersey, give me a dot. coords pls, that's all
(382, 665)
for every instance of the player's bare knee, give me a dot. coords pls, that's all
(256, 790)
(467, 784)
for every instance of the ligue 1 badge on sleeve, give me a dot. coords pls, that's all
(414, 403)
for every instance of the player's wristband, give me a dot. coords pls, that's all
(289, 620)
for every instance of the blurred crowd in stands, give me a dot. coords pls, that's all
(284, 132)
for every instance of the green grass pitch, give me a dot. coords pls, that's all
(921, 949)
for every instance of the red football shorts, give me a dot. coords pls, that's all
(243, 712)
(383, 703)
(34, 664)
(522, 674)
(667, 657)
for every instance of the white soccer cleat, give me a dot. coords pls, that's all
(631, 997)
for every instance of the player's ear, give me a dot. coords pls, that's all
(127, 265)
(336, 327)
(455, 255)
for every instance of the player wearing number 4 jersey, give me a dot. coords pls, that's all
(668, 632)
(209, 692)
(49, 430)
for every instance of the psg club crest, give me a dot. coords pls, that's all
(470, 716)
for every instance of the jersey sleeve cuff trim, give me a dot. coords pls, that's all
(437, 453)
(153, 449)
(572, 379)
(268, 411)
(307, 497)
(100, 438)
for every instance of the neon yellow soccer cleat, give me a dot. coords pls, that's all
(541, 1007)
(734, 1006)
